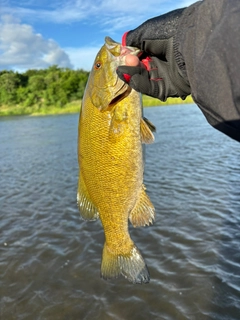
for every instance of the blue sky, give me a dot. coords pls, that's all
(69, 33)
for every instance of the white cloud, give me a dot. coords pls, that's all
(101, 10)
(22, 48)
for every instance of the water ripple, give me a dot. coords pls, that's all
(50, 258)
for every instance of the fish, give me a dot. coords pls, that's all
(111, 134)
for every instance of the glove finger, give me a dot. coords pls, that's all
(145, 81)
(149, 87)
(125, 73)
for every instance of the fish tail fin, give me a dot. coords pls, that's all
(130, 265)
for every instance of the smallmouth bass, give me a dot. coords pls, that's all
(111, 133)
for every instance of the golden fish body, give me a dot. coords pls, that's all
(110, 186)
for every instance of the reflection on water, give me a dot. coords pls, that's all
(50, 259)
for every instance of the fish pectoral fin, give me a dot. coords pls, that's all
(143, 213)
(130, 265)
(150, 125)
(147, 129)
(87, 209)
(118, 123)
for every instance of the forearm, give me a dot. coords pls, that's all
(207, 50)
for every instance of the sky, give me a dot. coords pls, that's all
(39, 33)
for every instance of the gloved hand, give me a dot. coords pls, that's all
(159, 75)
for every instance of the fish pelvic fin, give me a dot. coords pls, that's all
(87, 209)
(147, 129)
(131, 266)
(143, 213)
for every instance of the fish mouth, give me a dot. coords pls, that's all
(121, 94)
(118, 50)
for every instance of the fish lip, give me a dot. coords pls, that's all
(121, 94)
(118, 50)
(126, 50)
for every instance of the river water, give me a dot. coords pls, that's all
(50, 258)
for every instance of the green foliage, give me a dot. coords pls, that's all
(50, 91)
(152, 102)
(44, 87)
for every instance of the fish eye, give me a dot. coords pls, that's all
(97, 65)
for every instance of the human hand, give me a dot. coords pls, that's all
(157, 74)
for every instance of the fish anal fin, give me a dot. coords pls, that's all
(131, 266)
(147, 129)
(143, 213)
(87, 209)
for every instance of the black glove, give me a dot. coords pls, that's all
(161, 78)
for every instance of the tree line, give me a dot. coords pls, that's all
(44, 87)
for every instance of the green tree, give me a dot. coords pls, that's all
(9, 82)
(51, 86)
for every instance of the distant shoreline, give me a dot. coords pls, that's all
(74, 107)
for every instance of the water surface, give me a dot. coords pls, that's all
(50, 259)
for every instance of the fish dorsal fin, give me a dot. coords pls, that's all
(87, 209)
(143, 212)
(147, 129)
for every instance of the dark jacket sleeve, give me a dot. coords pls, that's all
(207, 48)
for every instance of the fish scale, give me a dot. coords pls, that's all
(111, 132)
